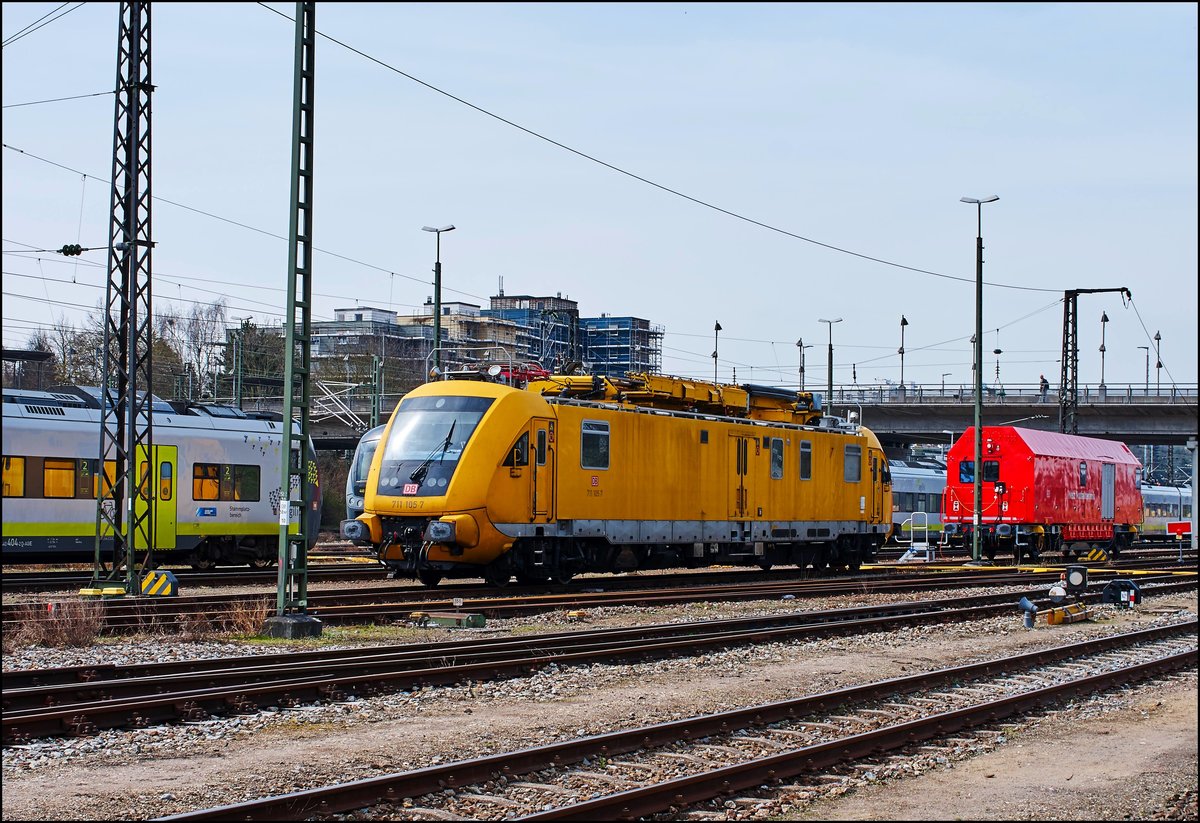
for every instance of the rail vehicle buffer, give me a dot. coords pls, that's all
(160, 583)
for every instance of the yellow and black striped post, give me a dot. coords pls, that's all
(160, 584)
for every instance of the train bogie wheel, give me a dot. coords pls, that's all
(203, 564)
(765, 566)
(262, 562)
(561, 578)
(496, 575)
(429, 578)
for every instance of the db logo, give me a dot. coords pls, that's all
(595, 480)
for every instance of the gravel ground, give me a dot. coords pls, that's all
(1130, 755)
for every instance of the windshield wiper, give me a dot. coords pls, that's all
(418, 474)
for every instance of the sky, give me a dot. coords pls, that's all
(760, 166)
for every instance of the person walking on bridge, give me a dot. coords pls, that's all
(1045, 387)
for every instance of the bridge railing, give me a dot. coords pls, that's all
(934, 394)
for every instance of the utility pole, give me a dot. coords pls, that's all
(1068, 393)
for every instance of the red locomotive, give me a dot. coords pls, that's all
(1043, 492)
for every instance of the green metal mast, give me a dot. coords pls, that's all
(291, 618)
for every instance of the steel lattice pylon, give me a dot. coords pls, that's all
(125, 500)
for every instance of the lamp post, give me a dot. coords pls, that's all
(829, 398)
(945, 374)
(978, 366)
(1103, 329)
(716, 334)
(437, 292)
(1157, 365)
(903, 323)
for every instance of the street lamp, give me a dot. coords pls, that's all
(1147, 350)
(716, 333)
(903, 323)
(1103, 329)
(945, 374)
(800, 345)
(978, 366)
(1157, 364)
(437, 292)
(829, 398)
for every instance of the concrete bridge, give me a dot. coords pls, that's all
(1133, 414)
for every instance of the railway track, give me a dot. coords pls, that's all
(84, 700)
(356, 566)
(690, 764)
(389, 603)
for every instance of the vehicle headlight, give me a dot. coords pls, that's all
(439, 531)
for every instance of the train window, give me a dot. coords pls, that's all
(165, 485)
(14, 477)
(244, 484)
(206, 484)
(593, 448)
(991, 471)
(776, 458)
(58, 477)
(966, 471)
(704, 435)
(1082, 473)
(853, 464)
(806, 460)
(518, 455)
(541, 447)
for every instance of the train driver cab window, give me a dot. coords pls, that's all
(206, 481)
(853, 464)
(806, 460)
(1082, 474)
(991, 471)
(776, 458)
(541, 447)
(14, 477)
(518, 455)
(593, 446)
(58, 477)
(966, 471)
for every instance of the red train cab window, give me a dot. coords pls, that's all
(1082, 474)
(991, 471)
